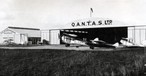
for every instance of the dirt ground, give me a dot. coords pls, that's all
(80, 48)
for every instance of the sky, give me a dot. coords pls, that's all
(47, 14)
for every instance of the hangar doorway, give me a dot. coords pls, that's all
(109, 35)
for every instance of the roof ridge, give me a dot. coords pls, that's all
(23, 28)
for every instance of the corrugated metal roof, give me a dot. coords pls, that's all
(24, 28)
(31, 32)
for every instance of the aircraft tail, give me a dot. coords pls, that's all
(116, 44)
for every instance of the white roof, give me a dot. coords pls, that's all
(96, 23)
(30, 32)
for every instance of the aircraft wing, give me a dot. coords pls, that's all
(71, 39)
(99, 43)
(127, 43)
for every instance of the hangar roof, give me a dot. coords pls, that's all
(94, 22)
(30, 32)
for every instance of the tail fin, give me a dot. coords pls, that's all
(116, 44)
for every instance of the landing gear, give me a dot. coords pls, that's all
(77, 46)
(67, 45)
(91, 47)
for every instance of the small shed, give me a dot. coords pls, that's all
(20, 35)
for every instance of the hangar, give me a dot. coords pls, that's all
(20, 35)
(108, 30)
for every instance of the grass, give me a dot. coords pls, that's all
(128, 62)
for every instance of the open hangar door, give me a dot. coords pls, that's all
(109, 35)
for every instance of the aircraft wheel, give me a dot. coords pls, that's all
(67, 45)
(77, 46)
(91, 47)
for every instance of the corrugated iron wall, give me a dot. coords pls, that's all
(137, 34)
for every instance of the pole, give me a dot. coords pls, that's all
(90, 14)
(91, 11)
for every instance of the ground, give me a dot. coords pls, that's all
(71, 61)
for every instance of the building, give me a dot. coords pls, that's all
(19, 35)
(107, 30)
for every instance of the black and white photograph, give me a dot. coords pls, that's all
(72, 37)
